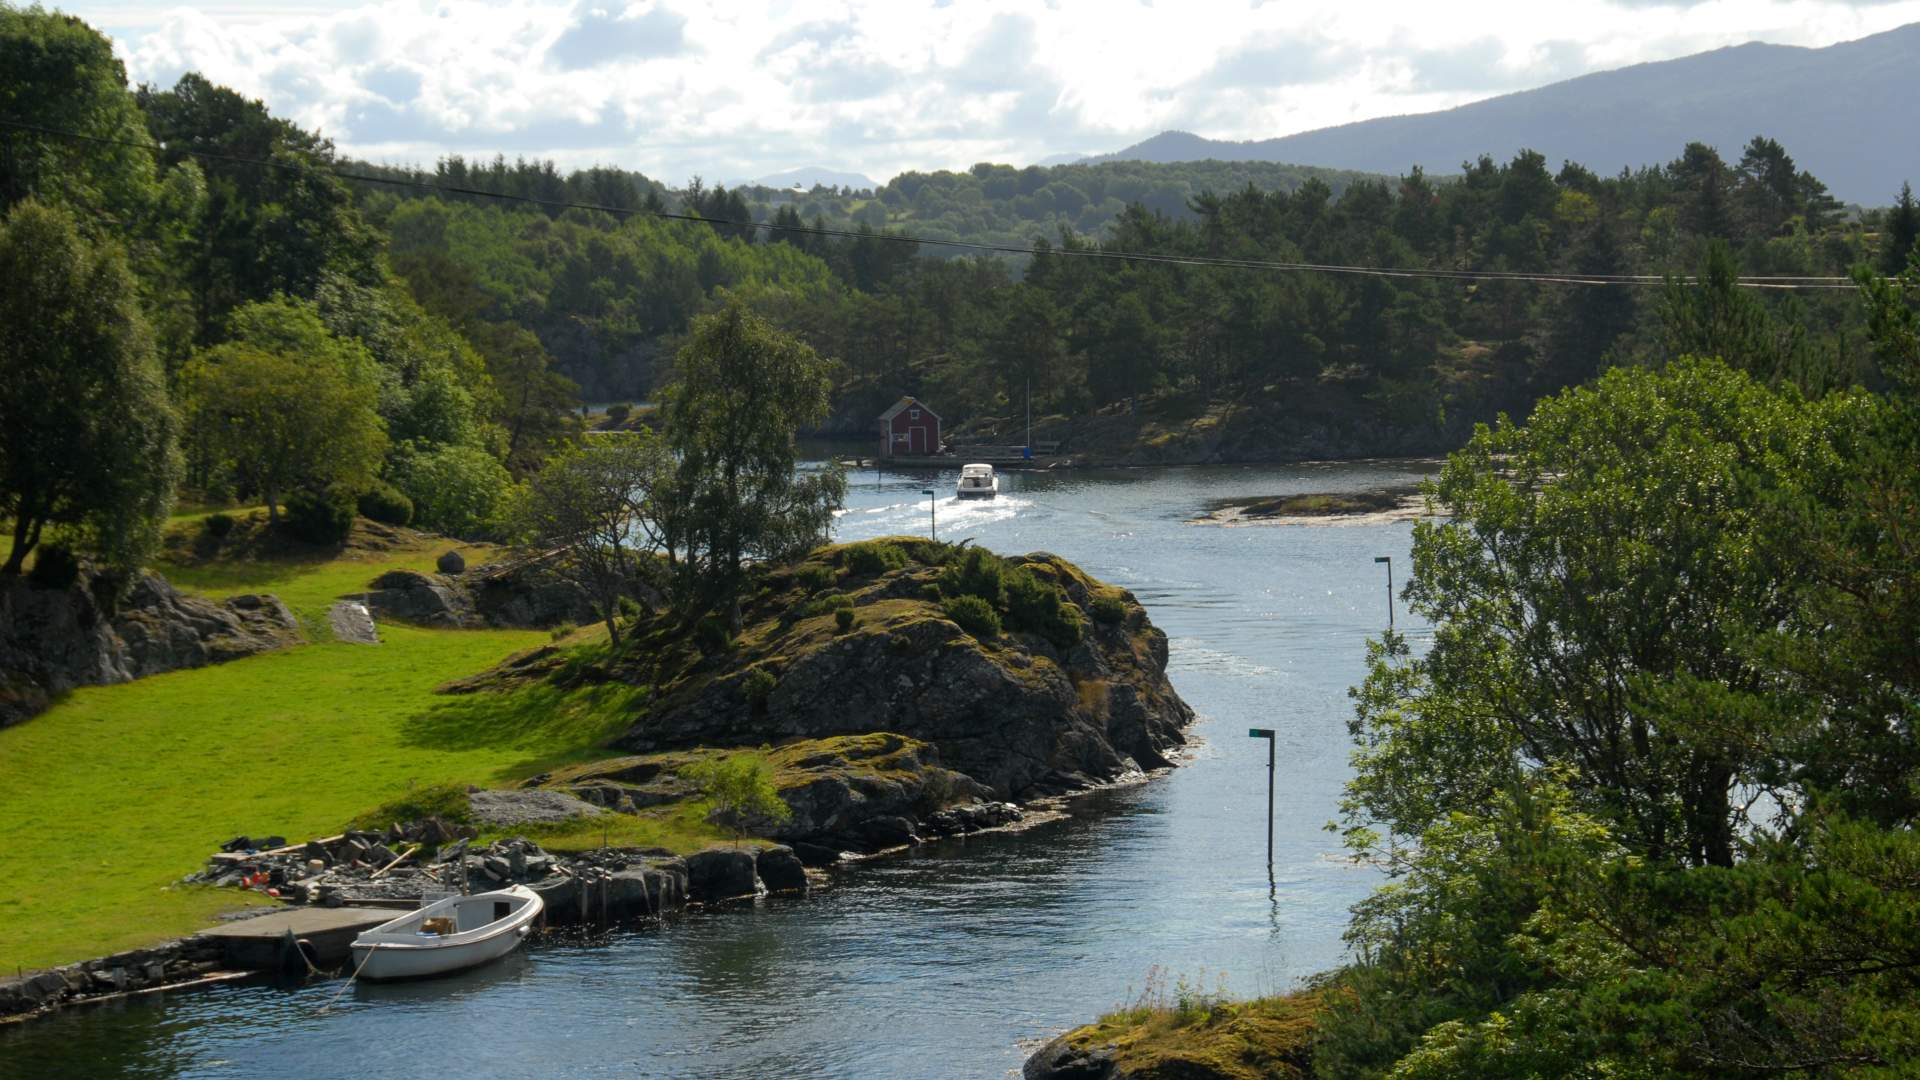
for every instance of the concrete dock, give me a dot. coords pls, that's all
(323, 933)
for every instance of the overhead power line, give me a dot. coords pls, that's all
(1429, 273)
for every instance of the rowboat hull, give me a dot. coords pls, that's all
(488, 927)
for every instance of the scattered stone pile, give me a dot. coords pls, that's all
(428, 856)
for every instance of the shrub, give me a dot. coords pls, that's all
(55, 566)
(712, 636)
(218, 526)
(980, 574)
(757, 684)
(974, 615)
(814, 576)
(1108, 609)
(843, 619)
(629, 608)
(874, 558)
(456, 490)
(618, 412)
(930, 592)
(562, 630)
(320, 515)
(743, 792)
(1039, 607)
(821, 605)
(386, 504)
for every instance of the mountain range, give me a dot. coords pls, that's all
(1836, 109)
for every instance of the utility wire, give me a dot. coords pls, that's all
(1758, 282)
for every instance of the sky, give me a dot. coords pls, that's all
(735, 91)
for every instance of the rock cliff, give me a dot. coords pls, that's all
(1021, 712)
(53, 640)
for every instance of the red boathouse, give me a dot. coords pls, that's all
(909, 429)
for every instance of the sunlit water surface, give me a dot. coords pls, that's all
(956, 959)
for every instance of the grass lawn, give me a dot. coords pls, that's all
(119, 790)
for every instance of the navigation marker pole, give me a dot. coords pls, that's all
(1388, 559)
(1267, 734)
(933, 526)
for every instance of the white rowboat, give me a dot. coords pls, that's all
(448, 935)
(977, 482)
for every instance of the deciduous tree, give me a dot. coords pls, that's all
(87, 435)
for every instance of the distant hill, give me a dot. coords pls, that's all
(810, 175)
(1837, 111)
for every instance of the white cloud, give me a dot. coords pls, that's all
(675, 87)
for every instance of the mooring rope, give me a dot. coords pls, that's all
(324, 1009)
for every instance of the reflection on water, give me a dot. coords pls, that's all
(945, 961)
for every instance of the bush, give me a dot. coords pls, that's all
(218, 526)
(813, 577)
(386, 504)
(974, 615)
(821, 605)
(55, 566)
(980, 574)
(874, 558)
(456, 490)
(712, 636)
(320, 515)
(843, 619)
(617, 413)
(757, 684)
(1039, 607)
(1108, 609)
(562, 629)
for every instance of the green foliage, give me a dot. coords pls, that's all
(86, 430)
(742, 791)
(1562, 788)
(320, 515)
(218, 525)
(813, 577)
(600, 503)
(618, 412)
(843, 619)
(456, 490)
(62, 75)
(821, 605)
(757, 683)
(711, 636)
(55, 566)
(979, 573)
(742, 390)
(386, 504)
(286, 403)
(874, 557)
(974, 615)
(1108, 609)
(1040, 607)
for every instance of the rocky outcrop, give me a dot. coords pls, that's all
(480, 598)
(1018, 713)
(53, 640)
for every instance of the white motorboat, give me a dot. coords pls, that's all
(449, 935)
(977, 482)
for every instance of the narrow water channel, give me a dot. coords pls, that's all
(954, 960)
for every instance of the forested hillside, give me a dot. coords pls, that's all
(475, 325)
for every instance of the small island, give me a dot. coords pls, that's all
(1400, 503)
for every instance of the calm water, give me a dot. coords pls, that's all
(953, 960)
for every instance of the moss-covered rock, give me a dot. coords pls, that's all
(1264, 1039)
(1030, 711)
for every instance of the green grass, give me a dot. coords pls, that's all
(1180, 1033)
(119, 790)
